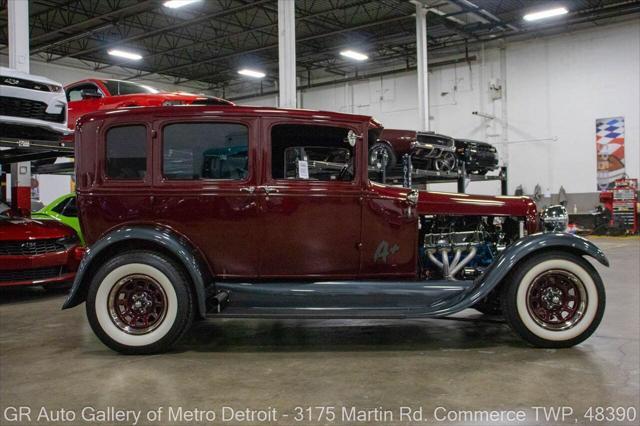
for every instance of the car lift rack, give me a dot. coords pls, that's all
(409, 177)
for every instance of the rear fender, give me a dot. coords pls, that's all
(164, 239)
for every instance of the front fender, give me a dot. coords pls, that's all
(514, 254)
(161, 237)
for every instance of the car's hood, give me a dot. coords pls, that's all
(19, 228)
(467, 204)
(447, 203)
(10, 72)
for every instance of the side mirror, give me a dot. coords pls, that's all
(90, 94)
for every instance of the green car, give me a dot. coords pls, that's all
(62, 209)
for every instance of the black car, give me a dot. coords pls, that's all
(478, 157)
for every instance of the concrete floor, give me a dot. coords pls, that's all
(50, 358)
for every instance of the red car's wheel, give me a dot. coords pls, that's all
(139, 302)
(381, 152)
(554, 299)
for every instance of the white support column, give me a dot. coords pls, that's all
(423, 77)
(19, 60)
(287, 53)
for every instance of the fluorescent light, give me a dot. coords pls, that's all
(174, 4)
(545, 14)
(125, 54)
(251, 73)
(354, 55)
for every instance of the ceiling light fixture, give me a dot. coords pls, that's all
(175, 4)
(251, 73)
(352, 54)
(124, 54)
(543, 14)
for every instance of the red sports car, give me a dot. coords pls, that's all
(96, 94)
(34, 252)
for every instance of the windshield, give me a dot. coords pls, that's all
(117, 87)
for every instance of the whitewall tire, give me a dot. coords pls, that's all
(554, 299)
(139, 302)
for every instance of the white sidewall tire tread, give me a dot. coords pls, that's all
(589, 314)
(102, 310)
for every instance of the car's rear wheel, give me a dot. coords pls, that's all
(139, 302)
(554, 299)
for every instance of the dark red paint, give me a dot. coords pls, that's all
(307, 229)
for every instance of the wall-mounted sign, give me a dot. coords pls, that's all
(609, 151)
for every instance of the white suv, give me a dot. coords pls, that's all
(31, 106)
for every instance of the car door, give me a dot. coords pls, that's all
(311, 216)
(77, 105)
(205, 189)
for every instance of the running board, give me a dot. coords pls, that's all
(342, 299)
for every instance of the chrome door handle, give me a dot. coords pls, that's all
(269, 189)
(249, 189)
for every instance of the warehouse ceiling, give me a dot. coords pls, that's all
(203, 45)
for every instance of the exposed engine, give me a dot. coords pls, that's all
(462, 247)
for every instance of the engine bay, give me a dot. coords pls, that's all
(462, 247)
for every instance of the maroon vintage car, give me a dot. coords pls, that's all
(229, 211)
(34, 252)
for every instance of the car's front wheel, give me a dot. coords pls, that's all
(554, 299)
(139, 302)
(380, 153)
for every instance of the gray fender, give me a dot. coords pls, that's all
(515, 253)
(160, 236)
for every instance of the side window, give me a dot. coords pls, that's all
(192, 151)
(75, 93)
(60, 207)
(306, 152)
(126, 156)
(71, 209)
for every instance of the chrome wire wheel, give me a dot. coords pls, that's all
(446, 162)
(137, 304)
(379, 156)
(557, 300)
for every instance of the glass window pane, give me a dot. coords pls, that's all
(193, 151)
(127, 152)
(71, 209)
(305, 152)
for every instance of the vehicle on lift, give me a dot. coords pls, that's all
(31, 106)
(63, 209)
(428, 150)
(478, 157)
(34, 252)
(229, 211)
(98, 94)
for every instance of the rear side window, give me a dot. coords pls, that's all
(127, 152)
(192, 151)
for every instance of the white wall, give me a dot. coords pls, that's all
(556, 88)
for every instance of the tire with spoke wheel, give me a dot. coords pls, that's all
(447, 162)
(139, 302)
(554, 299)
(378, 152)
